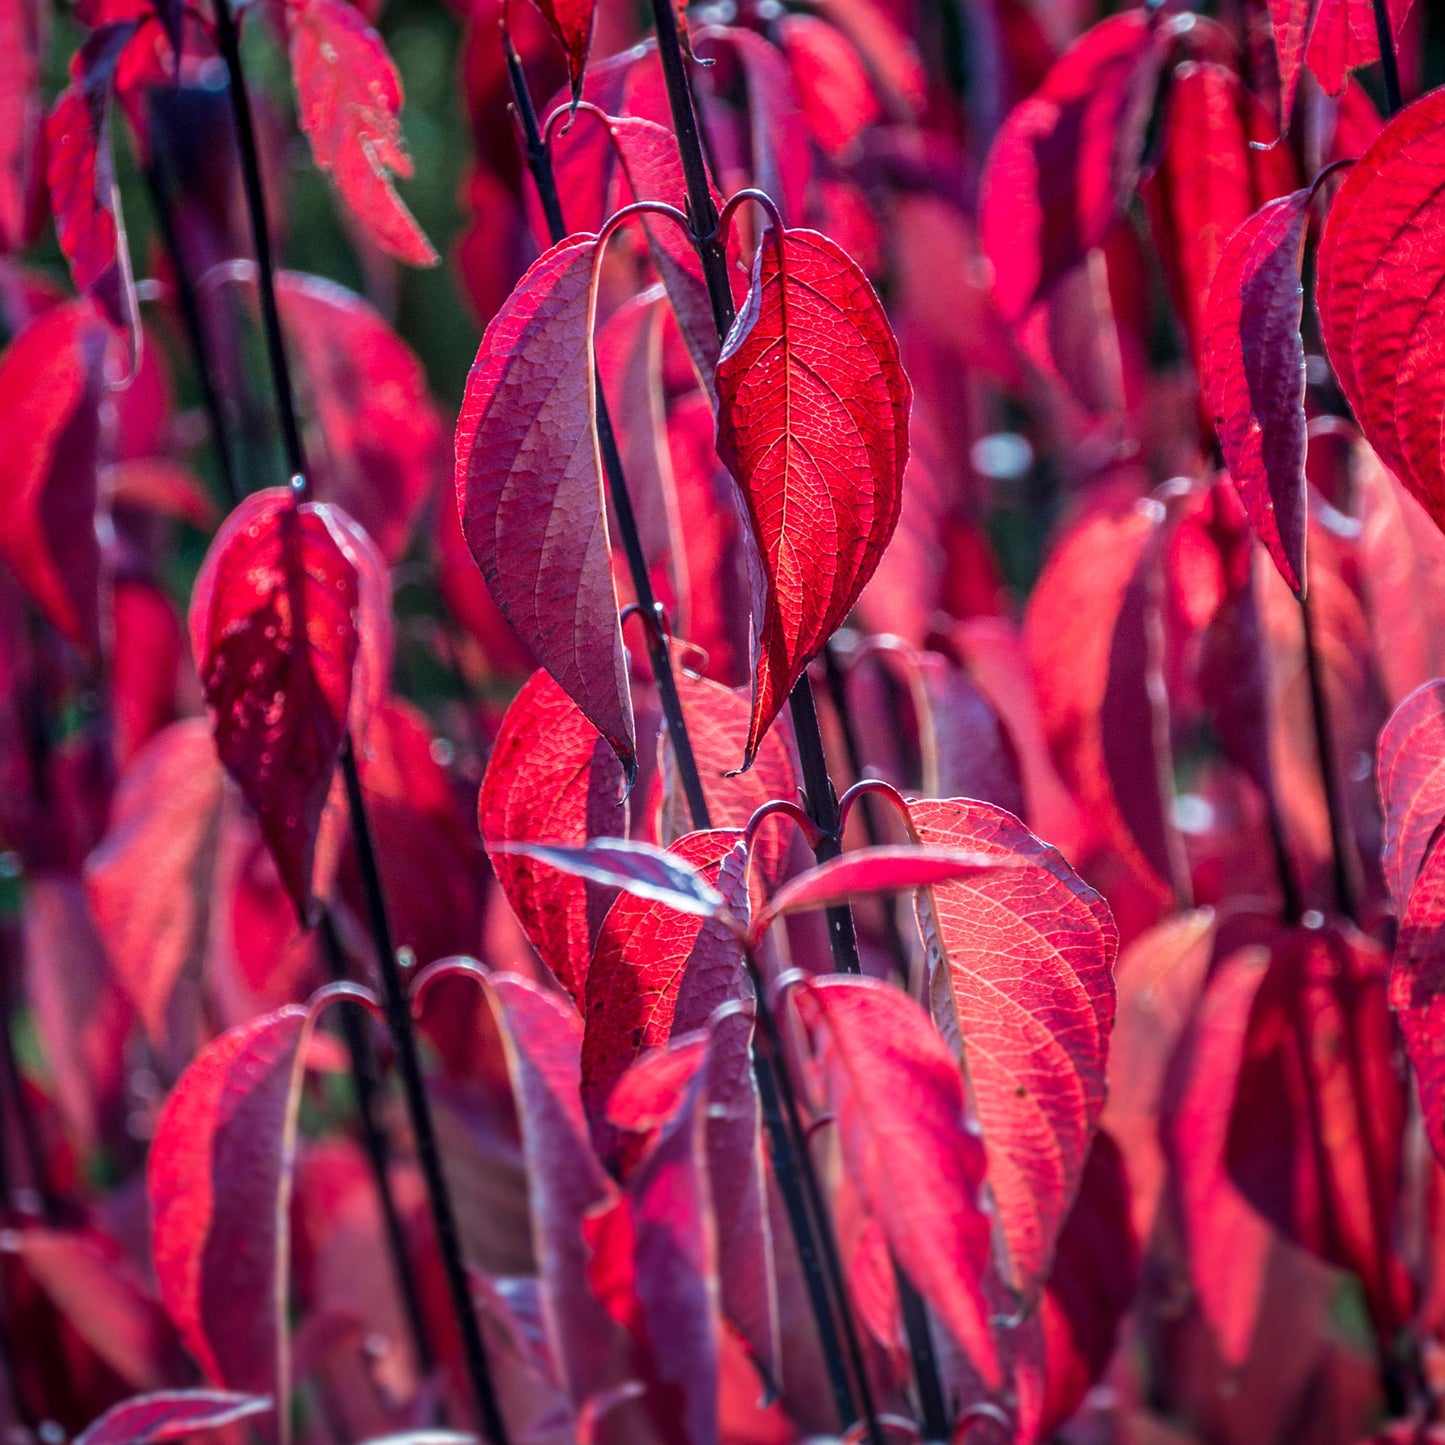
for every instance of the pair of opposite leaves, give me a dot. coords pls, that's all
(812, 407)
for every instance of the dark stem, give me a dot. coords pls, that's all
(1389, 60)
(367, 1083)
(398, 1013)
(408, 1056)
(1341, 848)
(228, 42)
(539, 162)
(932, 1405)
(798, 1152)
(191, 320)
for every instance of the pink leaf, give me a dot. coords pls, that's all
(169, 1415)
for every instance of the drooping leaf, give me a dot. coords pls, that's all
(1254, 375)
(219, 1187)
(1065, 161)
(383, 444)
(1379, 272)
(647, 954)
(571, 22)
(290, 630)
(898, 1098)
(1411, 774)
(813, 422)
(1022, 986)
(150, 882)
(1210, 180)
(1332, 37)
(551, 780)
(529, 487)
(80, 173)
(51, 383)
(170, 1414)
(349, 97)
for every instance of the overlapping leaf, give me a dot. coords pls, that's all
(529, 487)
(51, 384)
(1022, 986)
(551, 780)
(1065, 161)
(813, 423)
(349, 97)
(898, 1098)
(1332, 37)
(1254, 375)
(1380, 271)
(281, 607)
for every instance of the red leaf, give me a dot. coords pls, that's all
(1411, 773)
(717, 726)
(219, 1185)
(348, 94)
(383, 442)
(898, 1097)
(571, 22)
(1332, 37)
(1379, 272)
(22, 43)
(1417, 989)
(145, 662)
(1209, 181)
(282, 602)
(149, 884)
(1065, 161)
(813, 422)
(51, 385)
(550, 779)
(647, 954)
(529, 487)
(1254, 374)
(81, 173)
(1315, 1139)
(1023, 988)
(169, 1415)
(834, 90)
(1091, 1287)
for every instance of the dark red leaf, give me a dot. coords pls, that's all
(648, 954)
(81, 173)
(348, 95)
(1065, 161)
(1379, 271)
(813, 422)
(169, 1415)
(551, 779)
(1417, 987)
(1315, 1139)
(51, 384)
(529, 487)
(150, 882)
(218, 1181)
(898, 1098)
(22, 44)
(1022, 987)
(383, 445)
(1254, 375)
(281, 605)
